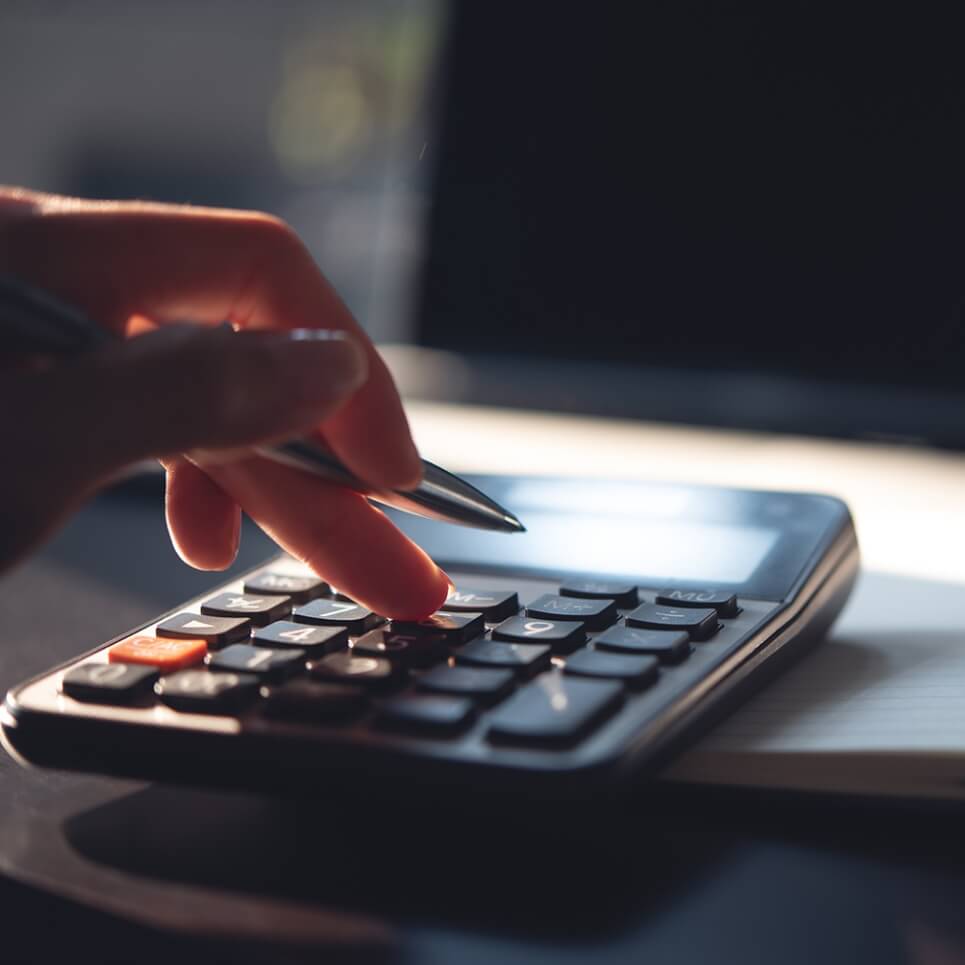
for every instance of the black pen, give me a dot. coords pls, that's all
(34, 321)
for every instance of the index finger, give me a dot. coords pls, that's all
(170, 263)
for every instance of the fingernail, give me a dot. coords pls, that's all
(322, 363)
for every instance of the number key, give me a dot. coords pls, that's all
(524, 659)
(562, 635)
(201, 691)
(410, 650)
(315, 641)
(454, 628)
(109, 683)
(345, 667)
(270, 665)
(338, 613)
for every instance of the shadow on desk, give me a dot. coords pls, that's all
(572, 875)
(688, 875)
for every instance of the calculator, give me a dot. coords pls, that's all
(579, 655)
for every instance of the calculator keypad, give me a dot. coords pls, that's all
(543, 672)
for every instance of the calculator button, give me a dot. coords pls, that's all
(261, 610)
(315, 641)
(346, 667)
(454, 628)
(206, 692)
(671, 646)
(524, 659)
(562, 635)
(486, 685)
(272, 665)
(554, 710)
(307, 702)
(594, 614)
(635, 671)
(299, 589)
(215, 631)
(724, 603)
(494, 605)
(428, 714)
(166, 655)
(405, 648)
(623, 594)
(109, 683)
(700, 624)
(338, 613)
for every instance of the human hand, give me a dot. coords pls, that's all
(197, 396)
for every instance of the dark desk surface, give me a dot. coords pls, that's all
(679, 875)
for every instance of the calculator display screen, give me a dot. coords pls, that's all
(759, 544)
(651, 549)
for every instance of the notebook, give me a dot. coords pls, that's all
(877, 709)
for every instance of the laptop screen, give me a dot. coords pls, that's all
(694, 188)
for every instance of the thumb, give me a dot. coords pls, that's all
(186, 387)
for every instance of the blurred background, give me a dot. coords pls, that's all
(747, 216)
(315, 111)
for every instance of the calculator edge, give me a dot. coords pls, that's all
(820, 593)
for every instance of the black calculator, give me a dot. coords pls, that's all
(578, 655)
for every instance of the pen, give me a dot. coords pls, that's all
(33, 320)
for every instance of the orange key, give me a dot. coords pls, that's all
(165, 653)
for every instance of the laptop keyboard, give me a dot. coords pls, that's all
(543, 671)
